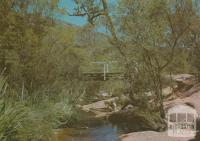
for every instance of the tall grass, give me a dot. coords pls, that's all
(11, 117)
(11, 120)
(22, 121)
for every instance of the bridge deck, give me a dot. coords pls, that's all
(103, 76)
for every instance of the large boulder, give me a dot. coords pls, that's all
(151, 136)
(167, 91)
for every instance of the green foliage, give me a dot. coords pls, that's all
(11, 120)
(64, 114)
(26, 120)
(44, 60)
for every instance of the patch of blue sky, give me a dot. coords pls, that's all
(68, 5)
(75, 20)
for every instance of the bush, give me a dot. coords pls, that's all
(37, 126)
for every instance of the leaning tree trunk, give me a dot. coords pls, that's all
(160, 96)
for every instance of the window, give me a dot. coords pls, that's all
(172, 117)
(190, 117)
(181, 117)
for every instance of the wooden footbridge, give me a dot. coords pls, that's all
(104, 71)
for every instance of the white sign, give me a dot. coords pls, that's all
(182, 121)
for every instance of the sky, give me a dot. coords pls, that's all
(69, 5)
(80, 21)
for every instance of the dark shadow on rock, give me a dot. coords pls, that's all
(197, 137)
(133, 121)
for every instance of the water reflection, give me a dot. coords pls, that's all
(105, 132)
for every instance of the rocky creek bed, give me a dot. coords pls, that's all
(131, 124)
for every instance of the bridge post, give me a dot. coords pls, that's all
(107, 66)
(104, 71)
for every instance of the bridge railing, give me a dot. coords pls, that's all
(103, 69)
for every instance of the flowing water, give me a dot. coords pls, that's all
(104, 132)
(92, 129)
